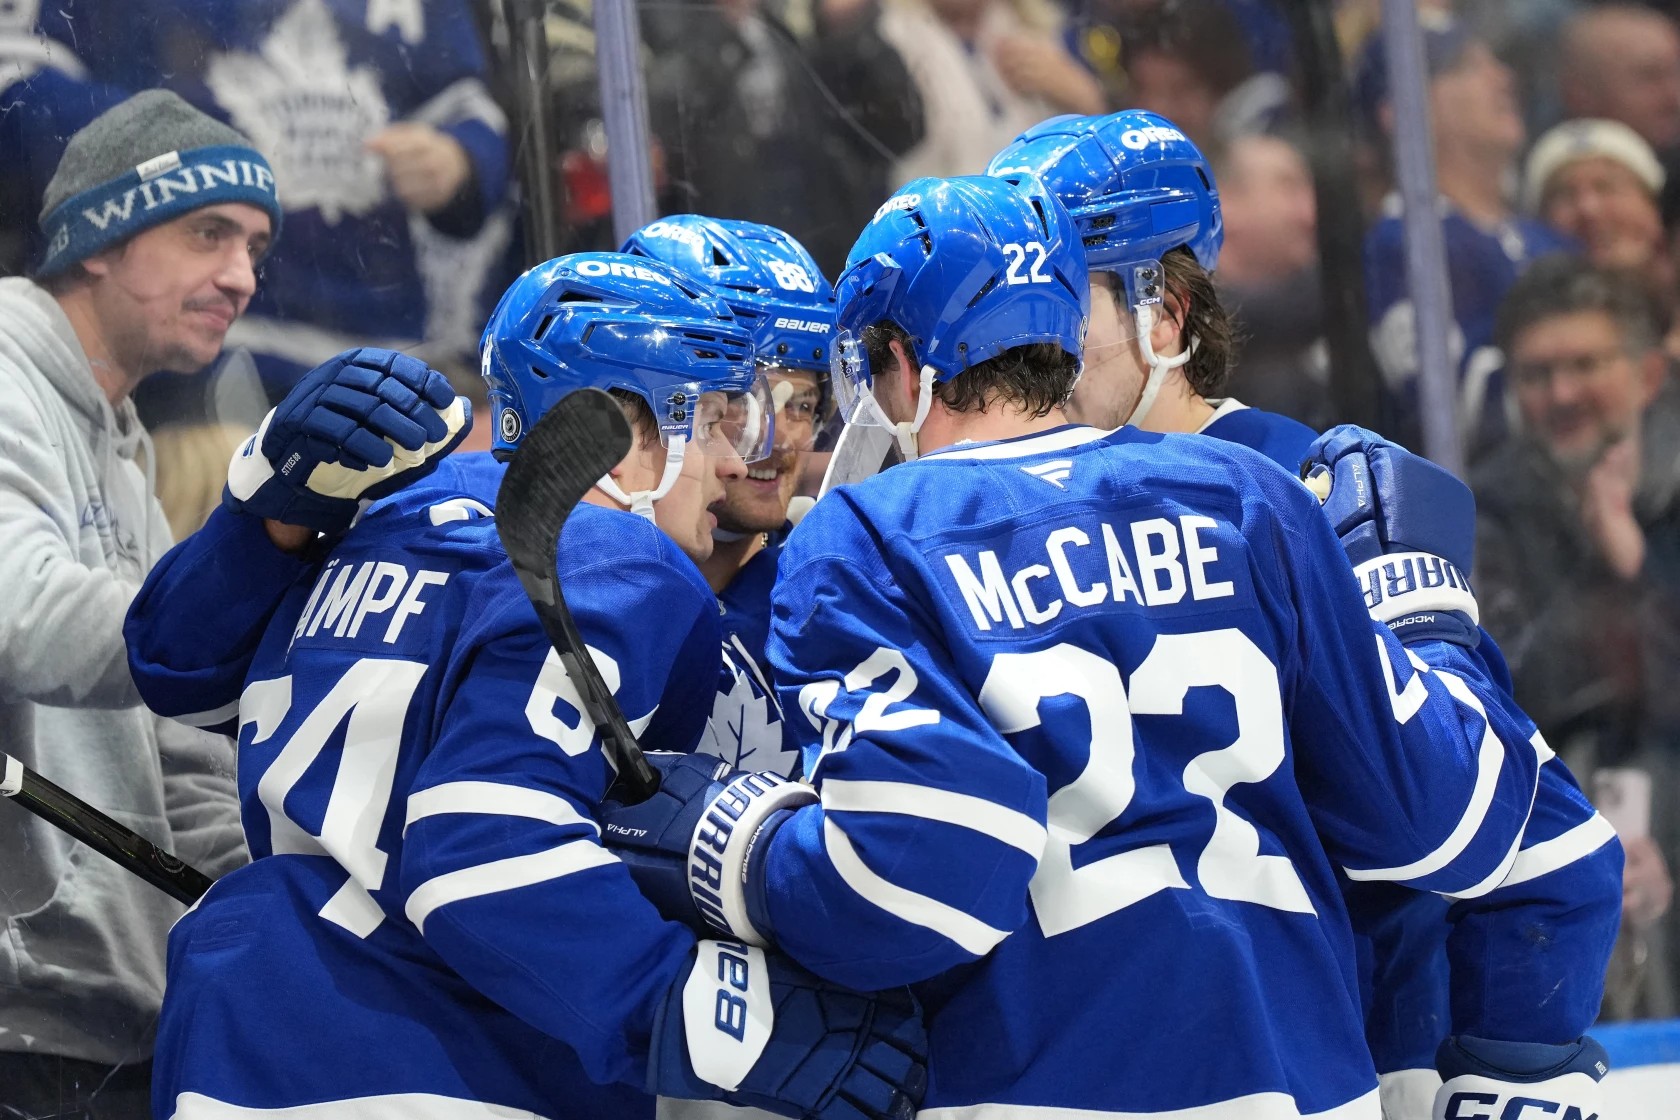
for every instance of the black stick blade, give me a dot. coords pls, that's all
(558, 462)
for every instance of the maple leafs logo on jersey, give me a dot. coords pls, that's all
(746, 726)
(309, 111)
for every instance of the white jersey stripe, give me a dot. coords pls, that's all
(1490, 761)
(1561, 851)
(211, 718)
(503, 875)
(493, 799)
(1257, 1106)
(964, 810)
(393, 1106)
(966, 930)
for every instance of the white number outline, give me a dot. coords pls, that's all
(1230, 865)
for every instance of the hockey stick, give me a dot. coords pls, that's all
(114, 841)
(559, 460)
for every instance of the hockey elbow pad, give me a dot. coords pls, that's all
(1484, 1079)
(695, 847)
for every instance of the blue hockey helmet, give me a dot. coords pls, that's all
(768, 279)
(1137, 189)
(612, 321)
(969, 267)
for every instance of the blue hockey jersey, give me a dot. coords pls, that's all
(744, 613)
(1526, 961)
(430, 919)
(1093, 733)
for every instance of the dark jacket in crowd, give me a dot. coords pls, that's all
(757, 124)
(1590, 652)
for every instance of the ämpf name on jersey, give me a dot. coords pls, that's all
(349, 596)
(1167, 560)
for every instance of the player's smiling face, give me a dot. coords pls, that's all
(166, 298)
(758, 501)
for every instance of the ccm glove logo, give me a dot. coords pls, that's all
(1475, 1106)
(727, 1011)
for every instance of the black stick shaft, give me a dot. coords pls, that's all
(114, 841)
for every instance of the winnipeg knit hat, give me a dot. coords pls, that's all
(142, 163)
(1584, 139)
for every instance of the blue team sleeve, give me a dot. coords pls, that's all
(930, 826)
(1528, 959)
(1416, 773)
(195, 626)
(503, 872)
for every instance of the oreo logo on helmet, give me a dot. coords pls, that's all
(510, 424)
(1138, 139)
(897, 202)
(620, 268)
(675, 233)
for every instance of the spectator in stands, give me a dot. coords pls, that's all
(985, 74)
(389, 154)
(1578, 554)
(759, 125)
(1268, 276)
(156, 220)
(1598, 182)
(1190, 63)
(1622, 62)
(1478, 133)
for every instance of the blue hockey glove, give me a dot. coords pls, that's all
(1484, 1078)
(695, 846)
(1407, 525)
(357, 427)
(754, 1029)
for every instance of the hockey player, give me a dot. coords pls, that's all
(1091, 717)
(1147, 209)
(430, 924)
(774, 287)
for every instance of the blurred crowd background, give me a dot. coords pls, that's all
(1556, 142)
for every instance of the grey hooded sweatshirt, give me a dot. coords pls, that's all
(81, 940)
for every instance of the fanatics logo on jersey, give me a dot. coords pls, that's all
(1055, 472)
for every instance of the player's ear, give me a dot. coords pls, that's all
(904, 371)
(1168, 329)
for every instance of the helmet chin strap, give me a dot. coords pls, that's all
(641, 502)
(905, 430)
(1158, 366)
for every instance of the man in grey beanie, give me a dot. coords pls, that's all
(155, 220)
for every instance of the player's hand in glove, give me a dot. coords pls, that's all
(357, 427)
(1482, 1077)
(1408, 526)
(750, 1027)
(695, 847)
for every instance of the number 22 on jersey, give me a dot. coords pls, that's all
(1065, 896)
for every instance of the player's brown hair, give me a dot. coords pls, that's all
(1209, 368)
(1035, 378)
